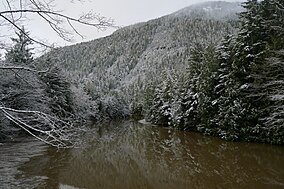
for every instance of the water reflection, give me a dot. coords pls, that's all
(131, 155)
(12, 156)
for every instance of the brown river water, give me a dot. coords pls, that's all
(129, 155)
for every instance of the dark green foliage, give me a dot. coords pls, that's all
(137, 111)
(161, 108)
(233, 90)
(20, 54)
(177, 72)
(25, 90)
(269, 91)
(244, 97)
(260, 26)
(112, 107)
(272, 15)
(202, 76)
(229, 104)
(20, 90)
(57, 88)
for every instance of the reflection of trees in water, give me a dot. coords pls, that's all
(48, 166)
(197, 161)
(14, 154)
(135, 156)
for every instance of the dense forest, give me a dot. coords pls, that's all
(234, 89)
(216, 68)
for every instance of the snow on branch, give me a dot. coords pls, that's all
(21, 68)
(43, 127)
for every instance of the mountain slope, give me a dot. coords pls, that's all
(213, 10)
(124, 63)
(199, 69)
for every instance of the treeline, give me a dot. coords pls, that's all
(32, 100)
(233, 89)
(118, 71)
(38, 98)
(173, 71)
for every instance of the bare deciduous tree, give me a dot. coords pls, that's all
(18, 11)
(40, 125)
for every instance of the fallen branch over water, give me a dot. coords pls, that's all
(43, 127)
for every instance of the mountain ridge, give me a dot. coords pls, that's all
(132, 56)
(211, 9)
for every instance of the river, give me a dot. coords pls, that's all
(130, 155)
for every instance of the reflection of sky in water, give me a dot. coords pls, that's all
(131, 155)
(64, 186)
(12, 156)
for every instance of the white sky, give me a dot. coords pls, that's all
(124, 12)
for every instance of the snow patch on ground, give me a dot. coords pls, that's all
(144, 122)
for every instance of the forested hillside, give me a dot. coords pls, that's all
(118, 69)
(37, 102)
(203, 68)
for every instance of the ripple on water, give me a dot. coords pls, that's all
(13, 155)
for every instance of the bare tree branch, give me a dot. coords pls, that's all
(20, 29)
(84, 19)
(40, 125)
(76, 31)
(55, 134)
(10, 8)
(55, 19)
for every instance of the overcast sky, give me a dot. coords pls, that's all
(124, 13)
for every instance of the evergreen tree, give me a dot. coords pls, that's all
(251, 40)
(188, 116)
(231, 108)
(20, 53)
(250, 51)
(268, 74)
(272, 14)
(57, 88)
(202, 77)
(250, 83)
(160, 111)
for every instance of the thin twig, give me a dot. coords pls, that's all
(101, 21)
(18, 28)
(56, 135)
